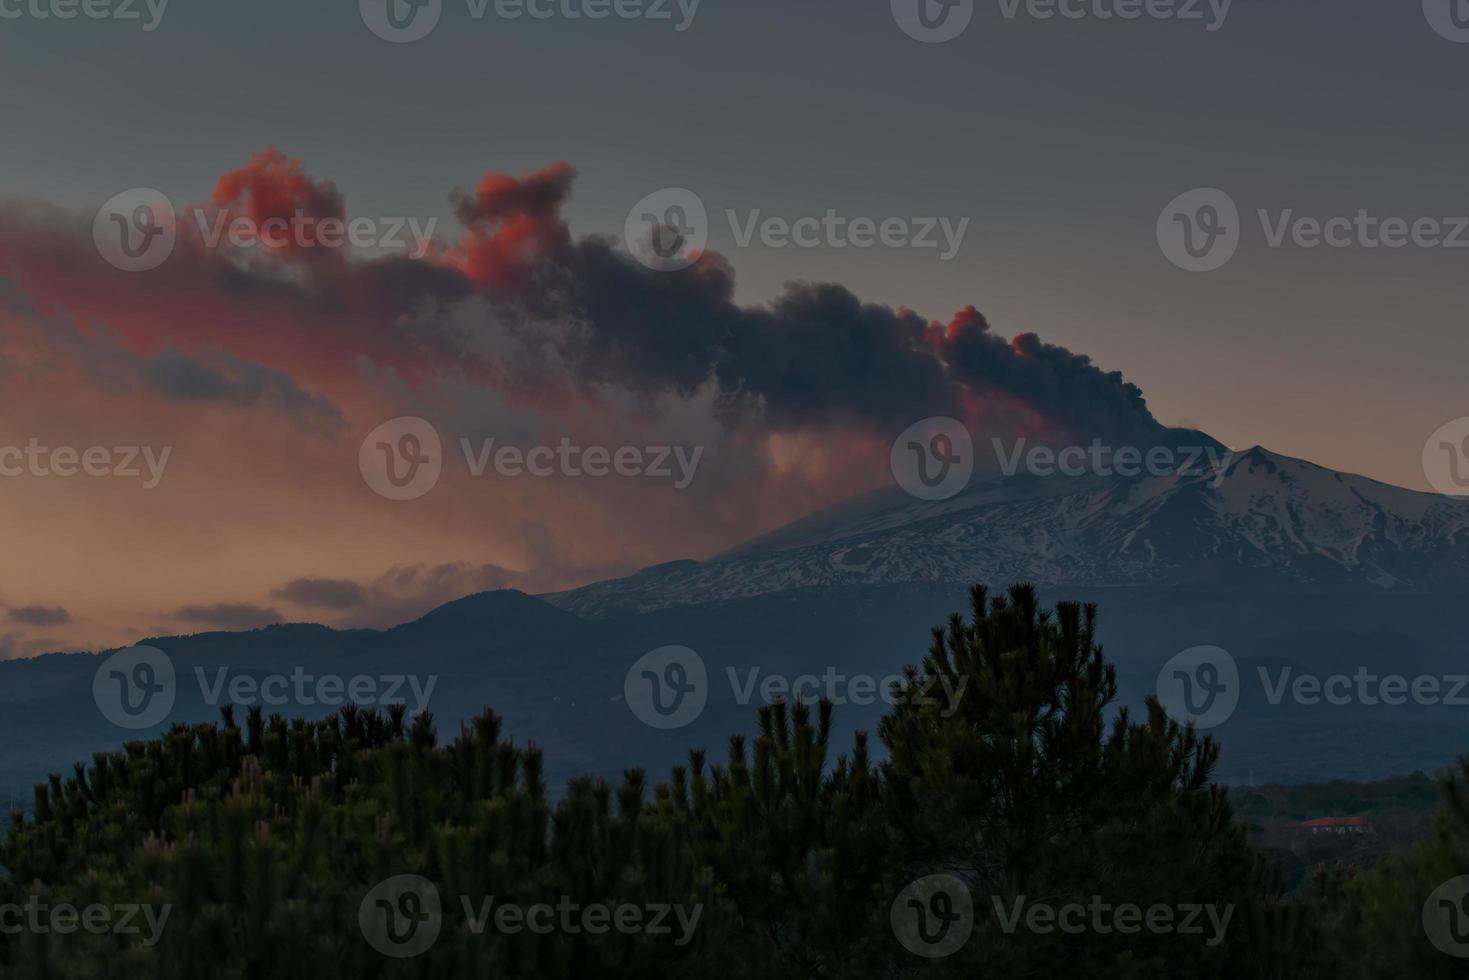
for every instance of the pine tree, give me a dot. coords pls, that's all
(1008, 767)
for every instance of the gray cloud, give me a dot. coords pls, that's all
(39, 615)
(401, 594)
(218, 376)
(322, 593)
(205, 375)
(228, 616)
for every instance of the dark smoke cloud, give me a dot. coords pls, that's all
(322, 593)
(39, 615)
(815, 356)
(1066, 387)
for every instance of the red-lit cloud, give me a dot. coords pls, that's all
(266, 367)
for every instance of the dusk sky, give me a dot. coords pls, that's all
(526, 143)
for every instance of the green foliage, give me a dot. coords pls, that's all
(1008, 767)
(264, 843)
(1375, 918)
(1021, 787)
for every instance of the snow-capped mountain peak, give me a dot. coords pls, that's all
(1237, 519)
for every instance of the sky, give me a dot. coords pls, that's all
(1049, 151)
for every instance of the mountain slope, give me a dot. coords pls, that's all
(1267, 520)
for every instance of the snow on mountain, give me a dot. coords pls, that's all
(1268, 521)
